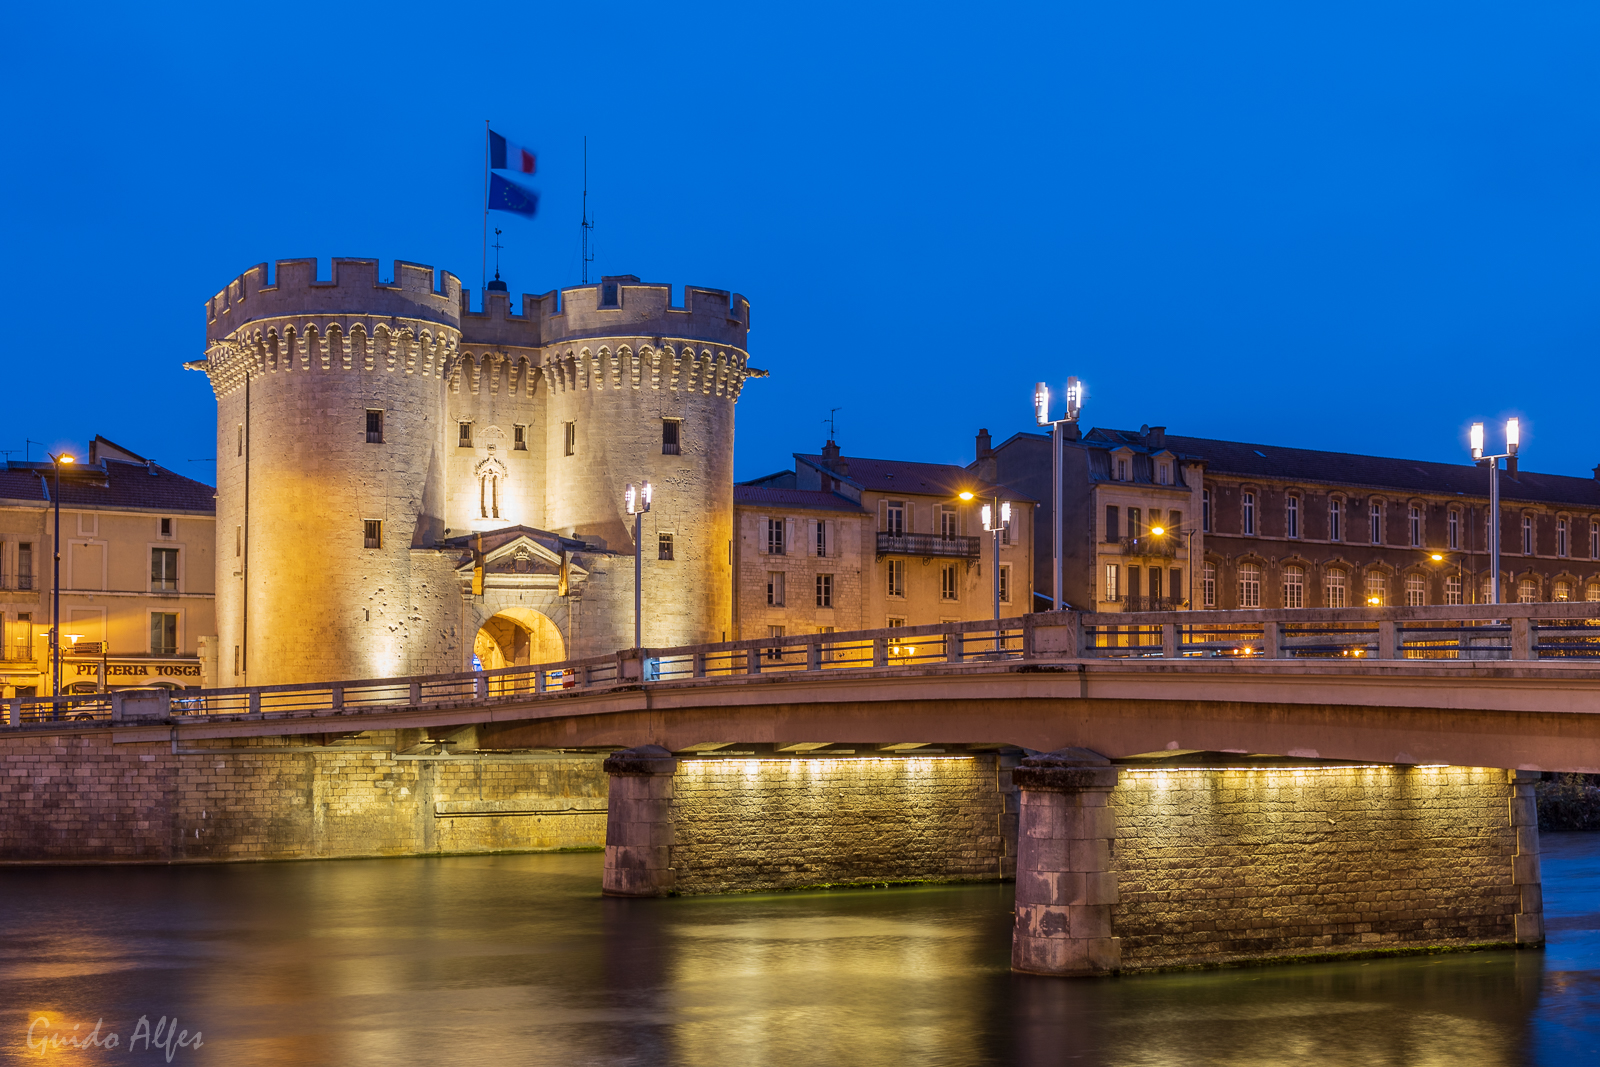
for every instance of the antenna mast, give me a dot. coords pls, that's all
(833, 434)
(588, 223)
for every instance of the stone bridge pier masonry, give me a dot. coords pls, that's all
(1195, 860)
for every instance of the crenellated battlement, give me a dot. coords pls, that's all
(623, 306)
(354, 289)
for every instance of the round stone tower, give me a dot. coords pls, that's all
(379, 442)
(642, 391)
(317, 511)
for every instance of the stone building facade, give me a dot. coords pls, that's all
(1274, 527)
(137, 573)
(845, 543)
(396, 470)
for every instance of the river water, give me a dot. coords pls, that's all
(518, 960)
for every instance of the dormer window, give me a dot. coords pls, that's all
(1164, 473)
(1122, 469)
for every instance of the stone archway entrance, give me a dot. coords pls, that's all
(516, 637)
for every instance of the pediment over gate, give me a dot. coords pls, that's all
(519, 552)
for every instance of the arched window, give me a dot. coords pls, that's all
(1335, 591)
(1249, 585)
(1562, 592)
(1527, 591)
(1414, 525)
(489, 495)
(1561, 536)
(1527, 535)
(1375, 514)
(1334, 531)
(1377, 589)
(1452, 589)
(1294, 586)
(1591, 592)
(1416, 590)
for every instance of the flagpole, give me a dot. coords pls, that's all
(484, 276)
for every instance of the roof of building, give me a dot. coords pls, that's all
(905, 476)
(1344, 468)
(108, 483)
(756, 496)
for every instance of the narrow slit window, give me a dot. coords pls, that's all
(372, 533)
(569, 438)
(374, 426)
(519, 438)
(464, 435)
(664, 546)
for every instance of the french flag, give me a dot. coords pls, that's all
(503, 155)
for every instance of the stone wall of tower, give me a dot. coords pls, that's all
(312, 599)
(619, 362)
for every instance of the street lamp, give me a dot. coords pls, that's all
(1513, 438)
(55, 598)
(1461, 576)
(1187, 533)
(638, 501)
(1041, 414)
(1001, 508)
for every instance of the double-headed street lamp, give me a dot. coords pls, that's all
(1041, 413)
(1513, 437)
(55, 600)
(638, 501)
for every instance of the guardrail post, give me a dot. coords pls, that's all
(416, 694)
(541, 678)
(1522, 639)
(1169, 640)
(336, 700)
(1074, 628)
(699, 664)
(1271, 640)
(1027, 636)
(752, 662)
(955, 646)
(480, 687)
(814, 655)
(880, 651)
(14, 710)
(1388, 640)
(255, 702)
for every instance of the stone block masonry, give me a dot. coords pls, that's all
(78, 797)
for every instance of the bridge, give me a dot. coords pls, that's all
(1056, 744)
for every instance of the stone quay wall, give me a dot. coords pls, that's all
(752, 825)
(1219, 865)
(78, 797)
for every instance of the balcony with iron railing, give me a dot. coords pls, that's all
(929, 545)
(1149, 546)
(21, 582)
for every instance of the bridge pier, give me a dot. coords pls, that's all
(639, 823)
(1066, 883)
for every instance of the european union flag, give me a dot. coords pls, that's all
(506, 195)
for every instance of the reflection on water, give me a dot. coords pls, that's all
(517, 959)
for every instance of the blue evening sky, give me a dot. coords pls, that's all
(1348, 226)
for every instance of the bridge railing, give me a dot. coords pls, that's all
(1445, 635)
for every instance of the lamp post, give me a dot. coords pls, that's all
(638, 501)
(1041, 414)
(1002, 510)
(55, 596)
(1513, 438)
(1461, 577)
(1187, 532)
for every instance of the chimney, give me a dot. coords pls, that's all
(1597, 472)
(1156, 436)
(986, 465)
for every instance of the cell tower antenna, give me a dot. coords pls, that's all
(832, 421)
(588, 223)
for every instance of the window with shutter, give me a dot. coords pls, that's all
(1111, 523)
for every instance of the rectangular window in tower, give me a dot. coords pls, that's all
(1561, 537)
(1414, 526)
(519, 438)
(238, 541)
(374, 426)
(948, 581)
(822, 538)
(371, 533)
(1334, 515)
(163, 570)
(1291, 525)
(895, 517)
(775, 545)
(775, 589)
(824, 590)
(1452, 530)
(463, 435)
(1111, 523)
(241, 440)
(1005, 583)
(569, 438)
(670, 436)
(664, 546)
(1249, 506)
(163, 633)
(897, 577)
